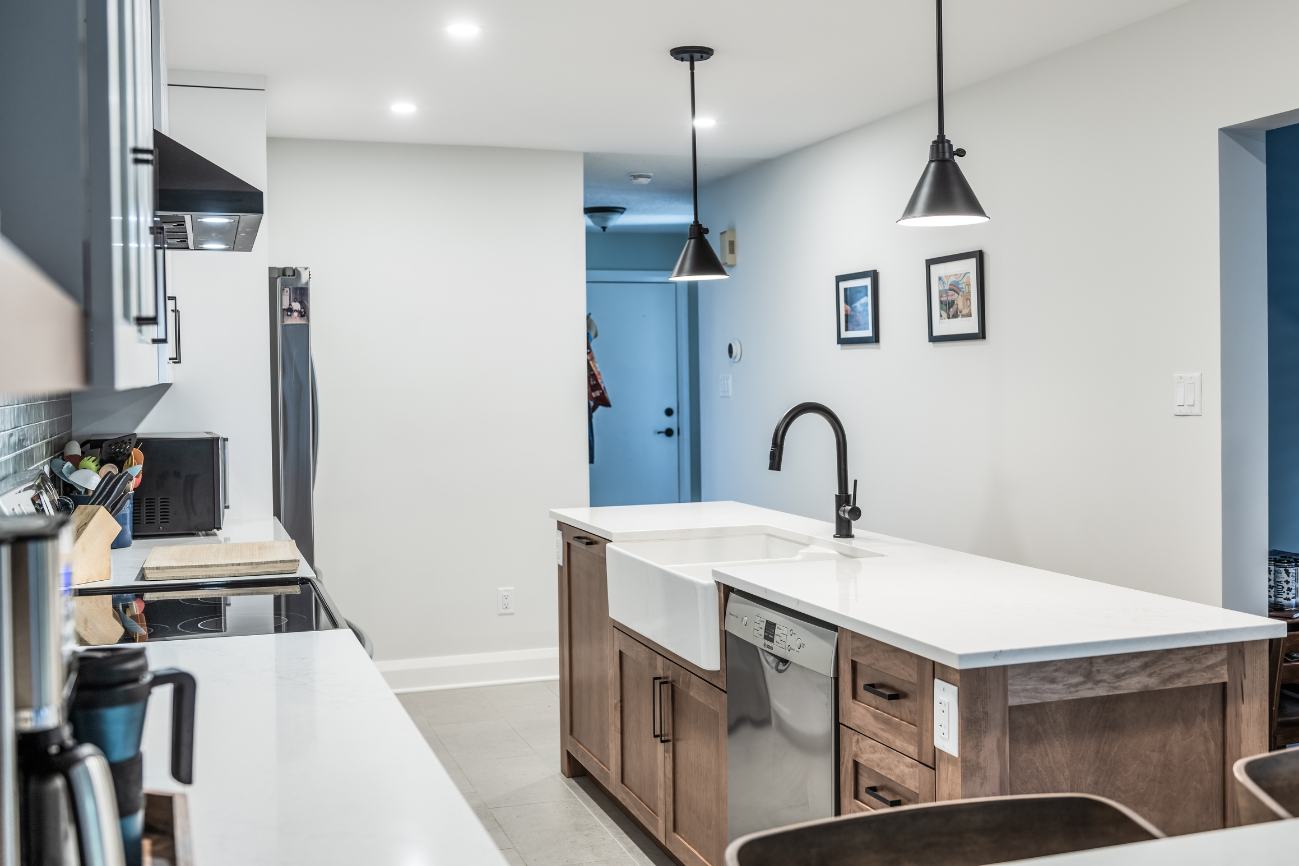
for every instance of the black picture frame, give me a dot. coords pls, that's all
(977, 328)
(843, 282)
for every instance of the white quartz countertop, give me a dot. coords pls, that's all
(1256, 845)
(961, 610)
(304, 755)
(128, 561)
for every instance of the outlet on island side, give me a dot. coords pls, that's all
(946, 726)
(504, 601)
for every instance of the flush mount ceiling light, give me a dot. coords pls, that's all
(698, 260)
(215, 246)
(943, 196)
(640, 178)
(705, 122)
(402, 108)
(464, 30)
(603, 217)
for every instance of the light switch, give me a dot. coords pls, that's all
(725, 387)
(946, 718)
(1187, 394)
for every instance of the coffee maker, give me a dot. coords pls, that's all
(66, 807)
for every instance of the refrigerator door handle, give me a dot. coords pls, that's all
(315, 425)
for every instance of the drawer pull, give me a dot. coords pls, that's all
(655, 713)
(884, 693)
(663, 725)
(584, 541)
(873, 792)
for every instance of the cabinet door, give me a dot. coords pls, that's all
(638, 771)
(586, 654)
(695, 816)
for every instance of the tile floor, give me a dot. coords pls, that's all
(501, 746)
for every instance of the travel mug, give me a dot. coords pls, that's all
(109, 702)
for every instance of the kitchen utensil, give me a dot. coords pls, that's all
(108, 469)
(117, 450)
(136, 458)
(89, 462)
(186, 561)
(84, 479)
(135, 470)
(109, 489)
(73, 447)
(108, 709)
(62, 469)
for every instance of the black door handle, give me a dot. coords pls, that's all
(654, 711)
(669, 432)
(880, 692)
(873, 792)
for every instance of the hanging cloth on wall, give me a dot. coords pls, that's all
(596, 395)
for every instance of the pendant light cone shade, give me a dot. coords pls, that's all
(698, 261)
(943, 196)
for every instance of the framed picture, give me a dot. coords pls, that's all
(857, 307)
(955, 289)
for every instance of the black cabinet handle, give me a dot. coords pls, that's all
(654, 711)
(175, 309)
(584, 541)
(873, 792)
(883, 692)
(663, 727)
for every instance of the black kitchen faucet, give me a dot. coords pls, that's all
(845, 504)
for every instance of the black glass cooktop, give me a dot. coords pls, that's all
(180, 610)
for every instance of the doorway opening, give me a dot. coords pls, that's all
(643, 360)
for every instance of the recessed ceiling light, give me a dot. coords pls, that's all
(215, 220)
(215, 246)
(464, 30)
(705, 122)
(402, 108)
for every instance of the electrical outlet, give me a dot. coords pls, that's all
(504, 601)
(946, 718)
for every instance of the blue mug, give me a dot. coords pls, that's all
(109, 700)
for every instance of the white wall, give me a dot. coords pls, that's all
(1053, 442)
(448, 301)
(223, 384)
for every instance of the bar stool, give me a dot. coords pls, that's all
(1267, 786)
(954, 833)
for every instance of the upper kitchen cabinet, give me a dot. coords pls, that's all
(77, 186)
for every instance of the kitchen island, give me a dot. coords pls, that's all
(1061, 684)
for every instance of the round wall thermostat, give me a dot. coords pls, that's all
(734, 350)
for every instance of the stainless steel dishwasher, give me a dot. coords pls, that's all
(781, 729)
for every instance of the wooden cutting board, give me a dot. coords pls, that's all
(241, 559)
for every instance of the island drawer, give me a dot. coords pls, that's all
(873, 776)
(887, 694)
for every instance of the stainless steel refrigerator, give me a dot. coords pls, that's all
(295, 434)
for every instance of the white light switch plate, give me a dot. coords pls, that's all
(946, 717)
(1188, 396)
(725, 385)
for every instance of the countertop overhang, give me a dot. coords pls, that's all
(958, 609)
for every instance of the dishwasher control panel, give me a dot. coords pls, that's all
(802, 641)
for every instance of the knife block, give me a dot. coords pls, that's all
(93, 532)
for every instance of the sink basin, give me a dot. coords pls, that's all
(664, 589)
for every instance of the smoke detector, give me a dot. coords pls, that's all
(603, 217)
(640, 178)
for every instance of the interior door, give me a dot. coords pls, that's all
(636, 439)
(638, 751)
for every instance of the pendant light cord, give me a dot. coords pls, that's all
(938, 19)
(694, 144)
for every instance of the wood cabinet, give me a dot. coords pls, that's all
(887, 694)
(872, 776)
(638, 762)
(585, 656)
(695, 767)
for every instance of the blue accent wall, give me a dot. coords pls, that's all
(1283, 335)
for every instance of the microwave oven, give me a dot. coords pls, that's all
(184, 486)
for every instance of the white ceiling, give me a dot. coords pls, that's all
(595, 75)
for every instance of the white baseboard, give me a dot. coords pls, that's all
(472, 669)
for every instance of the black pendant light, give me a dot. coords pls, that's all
(943, 197)
(698, 261)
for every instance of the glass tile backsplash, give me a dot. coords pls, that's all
(32, 430)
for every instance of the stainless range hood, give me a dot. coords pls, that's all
(201, 206)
